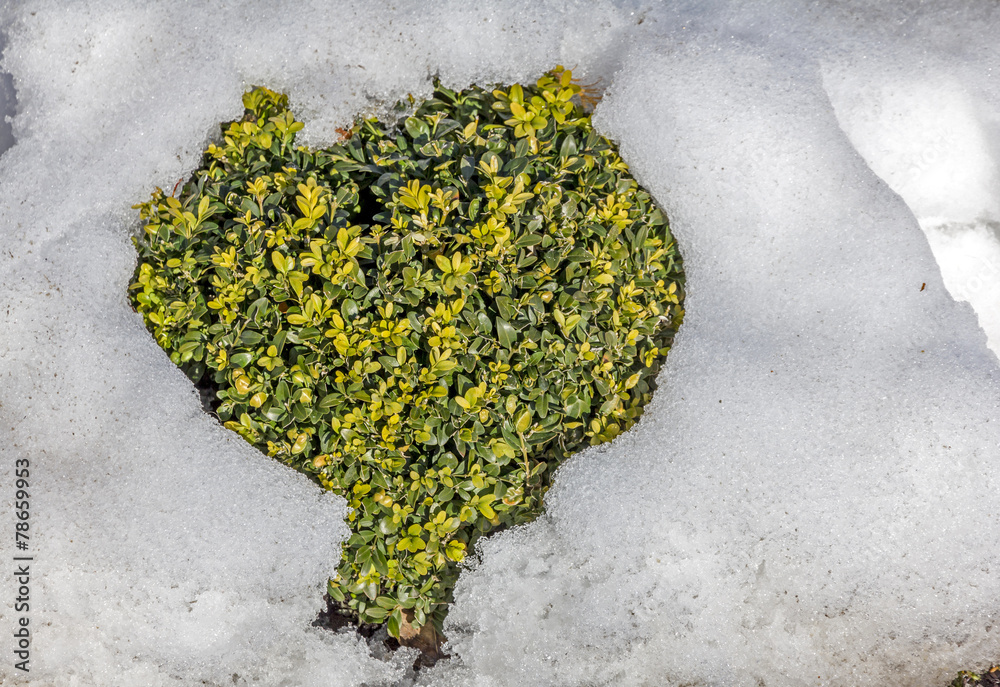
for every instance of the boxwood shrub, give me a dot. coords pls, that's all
(426, 317)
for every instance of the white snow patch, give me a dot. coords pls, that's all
(933, 135)
(808, 499)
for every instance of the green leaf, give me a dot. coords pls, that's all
(568, 147)
(334, 591)
(394, 623)
(506, 333)
(506, 306)
(386, 603)
(241, 359)
(416, 127)
(379, 562)
(375, 614)
(443, 263)
(251, 338)
(576, 407)
(579, 255)
(542, 406)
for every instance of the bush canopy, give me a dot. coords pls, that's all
(426, 317)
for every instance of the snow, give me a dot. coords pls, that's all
(933, 140)
(809, 498)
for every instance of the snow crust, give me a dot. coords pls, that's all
(933, 136)
(810, 498)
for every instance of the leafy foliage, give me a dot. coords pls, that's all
(986, 678)
(426, 318)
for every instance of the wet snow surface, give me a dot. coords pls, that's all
(810, 499)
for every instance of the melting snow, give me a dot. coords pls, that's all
(810, 499)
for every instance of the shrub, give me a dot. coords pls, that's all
(426, 318)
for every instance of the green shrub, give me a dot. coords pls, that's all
(426, 318)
